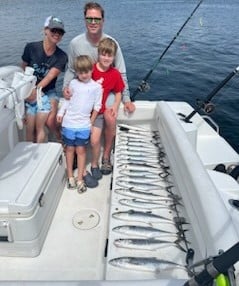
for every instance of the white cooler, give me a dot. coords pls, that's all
(32, 177)
(8, 131)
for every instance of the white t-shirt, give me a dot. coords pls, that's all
(85, 98)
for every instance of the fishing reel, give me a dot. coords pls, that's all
(207, 267)
(144, 86)
(208, 107)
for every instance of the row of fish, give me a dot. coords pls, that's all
(149, 219)
(157, 231)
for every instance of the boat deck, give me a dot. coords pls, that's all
(71, 251)
(80, 241)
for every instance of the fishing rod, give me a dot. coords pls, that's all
(205, 104)
(144, 85)
(219, 264)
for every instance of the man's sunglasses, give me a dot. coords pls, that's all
(91, 20)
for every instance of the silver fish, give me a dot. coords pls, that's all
(135, 128)
(139, 216)
(137, 156)
(141, 180)
(146, 244)
(153, 168)
(148, 264)
(142, 173)
(132, 129)
(148, 196)
(143, 133)
(136, 159)
(147, 205)
(148, 139)
(146, 186)
(131, 142)
(149, 218)
(125, 130)
(145, 231)
(145, 138)
(147, 148)
(139, 150)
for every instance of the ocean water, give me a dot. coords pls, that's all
(200, 58)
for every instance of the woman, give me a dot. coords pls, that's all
(48, 61)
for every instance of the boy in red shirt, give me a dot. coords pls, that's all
(112, 82)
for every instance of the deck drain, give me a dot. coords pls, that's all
(86, 219)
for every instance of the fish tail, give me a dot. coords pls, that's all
(179, 220)
(174, 204)
(179, 246)
(181, 232)
(180, 235)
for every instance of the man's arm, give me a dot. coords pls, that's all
(120, 65)
(126, 92)
(69, 73)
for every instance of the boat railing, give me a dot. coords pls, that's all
(20, 86)
(211, 122)
(15, 87)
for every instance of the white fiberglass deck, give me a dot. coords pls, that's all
(68, 253)
(72, 254)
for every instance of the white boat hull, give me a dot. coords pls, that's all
(80, 242)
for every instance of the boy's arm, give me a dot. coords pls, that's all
(63, 107)
(94, 114)
(113, 110)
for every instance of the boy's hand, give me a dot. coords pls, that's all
(67, 93)
(59, 119)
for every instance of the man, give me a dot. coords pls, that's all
(86, 44)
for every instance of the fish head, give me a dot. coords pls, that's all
(120, 261)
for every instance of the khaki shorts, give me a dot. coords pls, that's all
(99, 121)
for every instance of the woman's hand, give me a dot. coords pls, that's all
(33, 96)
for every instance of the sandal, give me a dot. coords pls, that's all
(96, 173)
(106, 167)
(71, 183)
(81, 187)
(90, 181)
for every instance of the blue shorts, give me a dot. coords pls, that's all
(52, 95)
(32, 108)
(75, 136)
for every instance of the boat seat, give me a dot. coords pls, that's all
(208, 143)
(229, 191)
(211, 226)
(209, 148)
